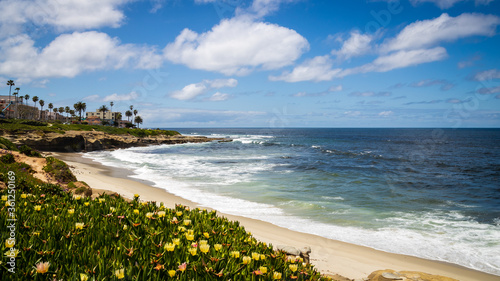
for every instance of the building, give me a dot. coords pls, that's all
(105, 116)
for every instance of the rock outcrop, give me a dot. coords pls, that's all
(86, 141)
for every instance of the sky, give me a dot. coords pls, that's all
(261, 63)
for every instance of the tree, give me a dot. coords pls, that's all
(103, 109)
(42, 103)
(80, 106)
(10, 83)
(128, 113)
(61, 110)
(22, 99)
(15, 95)
(50, 107)
(26, 98)
(34, 99)
(55, 112)
(138, 120)
(67, 109)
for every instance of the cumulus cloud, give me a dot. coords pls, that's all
(192, 91)
(237, 46)
(316, 69)
(358, 44)
(265, 7)
(428, 33)
(61, 15)
(71, 54)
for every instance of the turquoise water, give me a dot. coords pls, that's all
(430, 193)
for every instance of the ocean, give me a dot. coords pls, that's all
(430, 193)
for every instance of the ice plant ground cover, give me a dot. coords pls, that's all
(61, 237)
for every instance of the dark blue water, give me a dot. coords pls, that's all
(432, 193)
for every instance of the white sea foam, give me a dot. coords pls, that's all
(208, 180)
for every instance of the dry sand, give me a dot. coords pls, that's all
(328, 256)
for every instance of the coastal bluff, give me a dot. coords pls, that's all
(87, 141)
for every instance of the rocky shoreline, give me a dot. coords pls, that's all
(87, 141)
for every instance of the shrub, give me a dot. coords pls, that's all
(7, 144)
(28, 151)
(59, 170)
(7, 158)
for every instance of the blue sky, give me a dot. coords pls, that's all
(261, 63)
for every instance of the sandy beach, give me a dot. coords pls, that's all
(329, 256)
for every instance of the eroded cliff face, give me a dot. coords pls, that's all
(86, 141)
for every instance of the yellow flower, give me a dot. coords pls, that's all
(136, 195)
(217, 247)
(7, 203)
(234, 254)
(189, 237)
(101, 200)
(170, 247)
(187, 222)
(181, 228)
(206, 234)
(171, 273)
(293, 267)
(178, 213)
(78, 197)
(71, 211)
(192, 251)
(112, 209)
(190, 232)
(86, 203)
(83, 277)
(9, 243)
(149, 215)
(247, 259)
(12, 253)
(23, 195)
(42, 267)
(25, 203)
(263, 269)
(125, 227)
(276, 275)
(36, 233)
(255, 256)
(161, 214)
(136, 211)
(144, 203)
(4, 197)
(38, 208)
(120, 273)
(204, 248)
(262, 257)
(203, 242)
(79, 225)
(176, 241)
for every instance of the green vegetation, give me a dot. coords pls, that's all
(59, 170)
(7, 144)
(20, 126)
(7, 159)
(59, 236)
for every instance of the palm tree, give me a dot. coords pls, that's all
(135, 112)
(61, 111)
(50, 107)
(10, 83)
(128, 113)
(26, 98)
(34, 99)
(131, 107)
(80, 106)
(111, 110)
(118, 117)
(42, 103)
(55, 112)
(103, 109)
(22, 99)
(138, 120)
(15, 95)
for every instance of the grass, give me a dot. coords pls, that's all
(22, 126)
(61, 236)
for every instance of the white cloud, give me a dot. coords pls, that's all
(265, 7)
(237, 46)
(62, 15)
(352, 113)
(92, 98)
(489, 91)
(400, 59)
(385, 113)
(189, 92)
(487, 75)
(71, 54)
(336, 88)
(428, 33)
(316, 69)
(125, 97)
(192, 91)
(358, 44)
(219, 97)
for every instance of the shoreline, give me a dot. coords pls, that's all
(328, 256)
